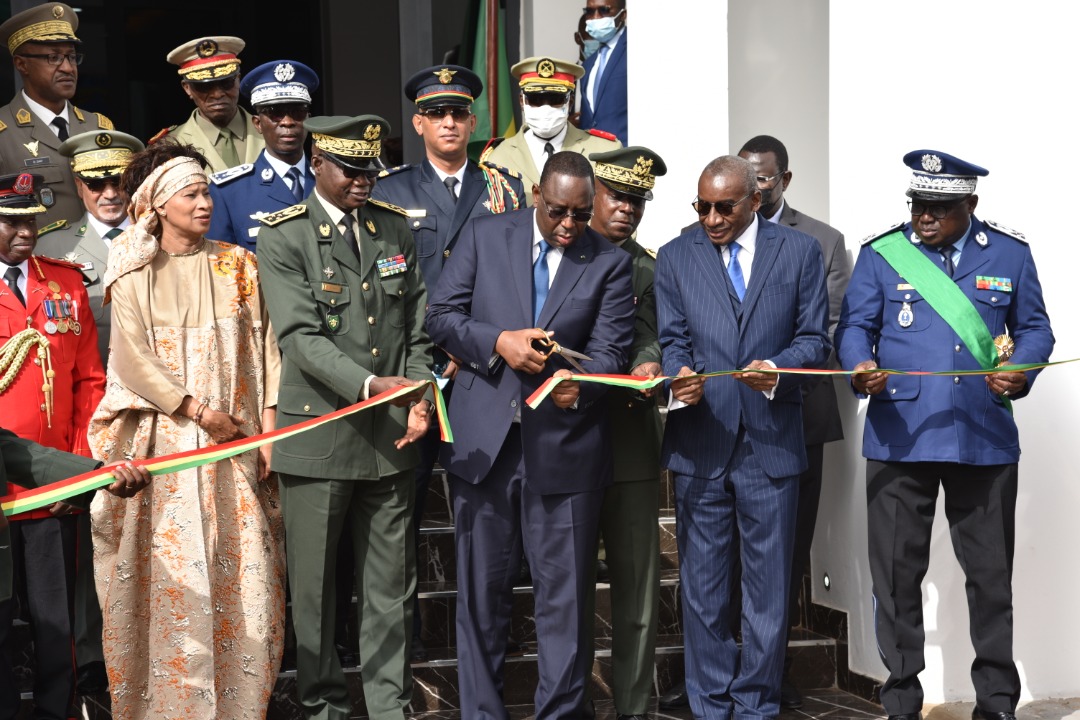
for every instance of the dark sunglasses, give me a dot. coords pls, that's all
(460, 114)
(96, 185)
(581, 216)
(598, 11)
(722, 208)
(276, 113)
(542, 98)
(938, 212)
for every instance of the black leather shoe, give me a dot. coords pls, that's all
(675, 698)
(604, 575)
(92, 679)
(977, 714)
(515, 648)
(906, 716)
(790, 697)
(418, 653)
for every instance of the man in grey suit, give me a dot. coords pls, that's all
(737, 292)
(821, 417)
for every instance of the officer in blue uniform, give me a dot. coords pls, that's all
(280, 93)
(945, 291)
(440, 194)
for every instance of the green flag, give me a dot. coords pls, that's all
(494, 109)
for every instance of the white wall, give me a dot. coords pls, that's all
(989, 81)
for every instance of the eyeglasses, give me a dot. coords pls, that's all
(542, 98)
(559, 214)
(722, 208)
(276, 113)
(56, 59)
(763, 180)
(938, 212)
(598, 11)
(97, 185)
(460, 114)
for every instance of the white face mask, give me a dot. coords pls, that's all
(603, 29)
(546, 121)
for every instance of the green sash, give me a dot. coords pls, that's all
(943, 295)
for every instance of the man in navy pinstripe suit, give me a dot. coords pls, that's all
(737, 292)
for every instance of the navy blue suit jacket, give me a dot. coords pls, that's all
(610, 111)
(784, 319)
(245, 193)
(417, 187)
(485, 288)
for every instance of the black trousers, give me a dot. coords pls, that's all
(980, 504)
(44, 561)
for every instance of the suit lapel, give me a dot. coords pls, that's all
(339, 249)
(434, 189)
(94, 247)
(766, 248)
(712, 267)
(574, 261)
(519, 236)
(276, 189)
(974, 255)
(372, 247)
(37, 289)
(471, 189)
(612, 61)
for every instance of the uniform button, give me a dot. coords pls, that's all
(333, 301)
(907, 296)
(366, 286)
(630, 405)
(892, 390)
(513, 404)
(371, 321)
(957, 348)
(374, 352)
(416, 223)
(400, 292)
(446, 253)
(993, 298)
(37, 361)
(42, 407)
(956, 381)
(307, 408)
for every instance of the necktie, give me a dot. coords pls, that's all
(451, 183)
(946, 254)
(601, 63)
(61, 127)
(350, 236)
(113, 233)
(227, 148)
(540, 280)
(297, 187)
(734, 270)
(549, 150)
(11, 277)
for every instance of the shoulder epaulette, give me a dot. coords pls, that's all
(603, 134)
(1007, 231)
(3, 126)
(161, 134)
(387, 206)
(489, 148)
(394, 170)
(104, 123)
(501, 169)
(224, 176)
(59, 263)
(51, 226)
(276, 218)
(649, 251)
(874, 236)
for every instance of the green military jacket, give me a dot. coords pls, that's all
(635, 421)
(30, 465)
(338, 321)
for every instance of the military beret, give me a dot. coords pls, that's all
(355, 142)
(631, 170)
(100, 153)
(537, 74)
(18, 194)
(280, 81)
(940, 176)
(49, 23)
(208, 58)
(444, 85)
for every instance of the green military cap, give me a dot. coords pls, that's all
(100, 153)
(354, 142)
(630, 170)
(548, 75)
(208, 58)
(49, 23)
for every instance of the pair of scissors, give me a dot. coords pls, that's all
(549, 347)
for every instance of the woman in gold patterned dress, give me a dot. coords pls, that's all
(190, 574)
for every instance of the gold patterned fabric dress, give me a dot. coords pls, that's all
(190, 572)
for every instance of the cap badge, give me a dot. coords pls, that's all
(545, 68)
(206, 48)
(446, 75)
(931, 163)
(57, 11)
(284, 72)
(371, 132)
(24, 184)
(32, 147)
(103, 140)
(642, 167)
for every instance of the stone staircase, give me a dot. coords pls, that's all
(435, 686)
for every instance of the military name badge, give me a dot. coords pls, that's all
(906, 316)
(333, 322)
(392, 266)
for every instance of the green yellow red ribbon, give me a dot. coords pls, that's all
(643, 383)
(28, 500)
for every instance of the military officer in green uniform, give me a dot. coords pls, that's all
(218, 126)
(347, 302)
(547, 96)
(629, 517)
(44, 50)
